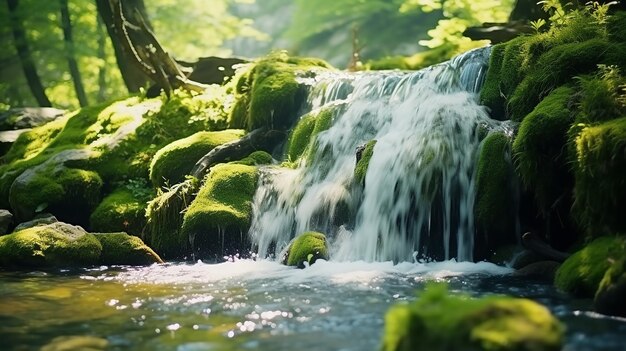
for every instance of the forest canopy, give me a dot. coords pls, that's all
(73, 59)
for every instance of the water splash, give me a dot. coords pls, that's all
(419, 191)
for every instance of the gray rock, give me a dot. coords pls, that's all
(8, 137)
(6, 219)
(39, 220)
(28, 117)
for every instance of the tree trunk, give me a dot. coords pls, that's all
(66, 25)
(26, 59)
(102, 71)
(133, 77)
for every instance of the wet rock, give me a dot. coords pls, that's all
(543, 270)
(8, 137)
(609, 298)
(6, 219)
(28, 117)
(307, 247)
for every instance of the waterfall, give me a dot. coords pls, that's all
(418, 195)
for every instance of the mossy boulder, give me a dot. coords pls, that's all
(70, 194)
(582, 272)
(495, 192)
(609, 298)
(600, 189)
(173, 162)
(47, 246)
(124, 249)
(121, 210)
(438, 321)
(268, 92)
(307, 247)
(363, 163)
(540, 148)
(218, 219)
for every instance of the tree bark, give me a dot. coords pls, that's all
(102, 71)
(133, 77)
(26, 59)
(66, 25)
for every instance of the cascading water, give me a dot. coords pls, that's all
(419, 189)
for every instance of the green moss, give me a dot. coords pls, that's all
(52, 245)
(559, 66)
(609, 298)
(307, 247)
(600, 187)
(255, 159)
(268, 93)
(361, 167)
(491, 94)
(124, 249)
(440, 321)
(70, 194)
(32, 142)
(220, 215)
(616, 26)
(121, 210)
(300, 136)
(165, 219)
(173, 162)
(323, 122)
(494, 190)
(539, 148)
(582, 272)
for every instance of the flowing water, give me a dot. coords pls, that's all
(420, 185)
(415, 206)
(253, 305)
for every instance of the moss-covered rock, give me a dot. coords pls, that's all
(307, 247)
(609, 298)
(52, 245)
(495, 209)
(600, 189)
(439, 321)
(256, 158)
(268, 92)
(363, 163)
(121, 210)
(173, 162)
(70, 194)
(218, 219)
(582, 272)
(540, 145)
(124, 249)
(165, 219)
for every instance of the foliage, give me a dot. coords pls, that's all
(458, 16)
(324, 27)
(440, 321)
(191, 29)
